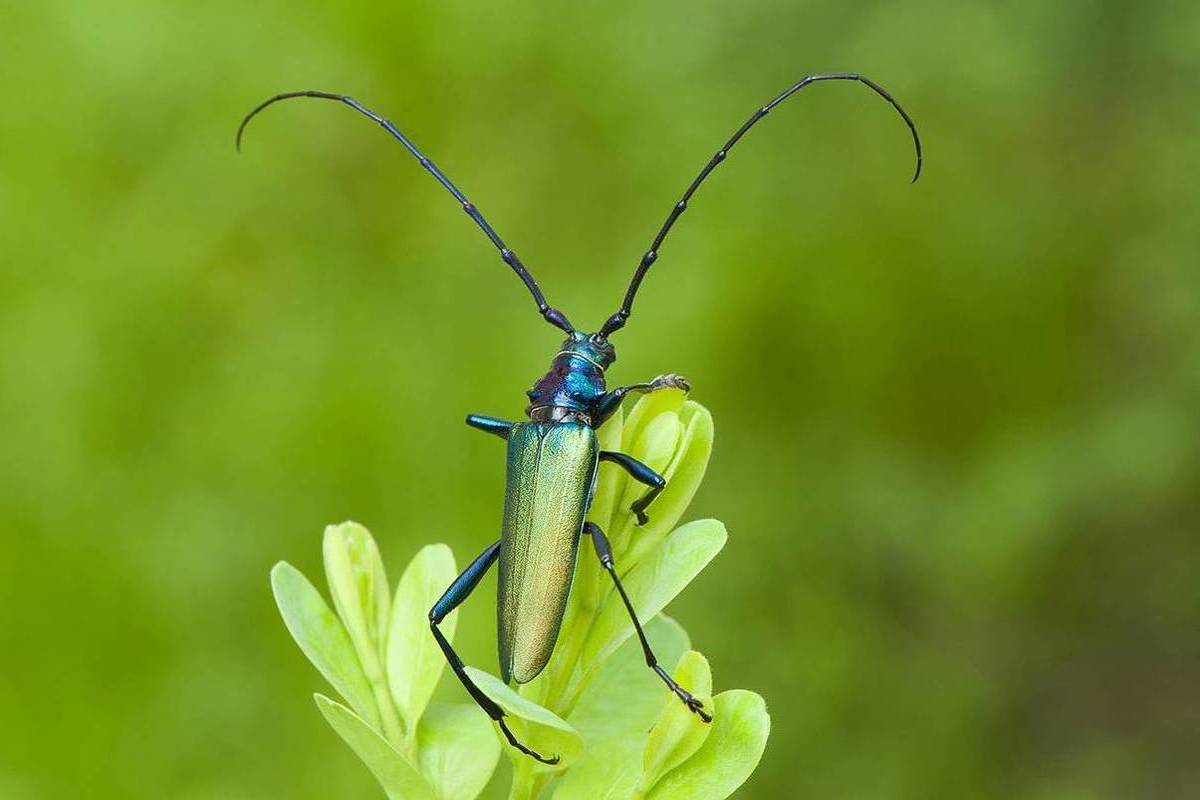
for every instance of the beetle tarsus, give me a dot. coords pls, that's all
(694, 704)
(670, 381)
(640, 505)
(515, 743)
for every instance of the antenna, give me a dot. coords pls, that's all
(552, 315)
(617, 320)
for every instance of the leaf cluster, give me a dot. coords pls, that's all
(617, 731)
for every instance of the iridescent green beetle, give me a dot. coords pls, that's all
(553, 458)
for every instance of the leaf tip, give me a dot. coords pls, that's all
(281, 572)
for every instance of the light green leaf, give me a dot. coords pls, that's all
(625, 695)
(653, 583)
(657, 440)
(400, 779)
(414, 661)
(729, 754)
(458, 749)
(679, 732)
(534, 726)
(683, 476)
(321, 637)
(614, 516)
(359, 589)
(615, 713)
(610, 478)
(649, 406)
(651, 435)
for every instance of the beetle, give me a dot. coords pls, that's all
(553, 457)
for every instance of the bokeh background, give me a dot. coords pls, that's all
(957, 451)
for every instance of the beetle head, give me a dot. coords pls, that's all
(592, 346)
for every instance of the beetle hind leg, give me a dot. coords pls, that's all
(604, 553)
(459, 591)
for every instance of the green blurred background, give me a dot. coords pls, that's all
(957, 451)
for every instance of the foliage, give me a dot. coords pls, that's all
(373, 654)
(618, 733)
(959, 428)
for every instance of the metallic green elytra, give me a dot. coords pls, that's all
(551, 470)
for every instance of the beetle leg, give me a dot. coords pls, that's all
(611, 401)
(604, 552)
(642, 473)
(500, 427)
(462, 587)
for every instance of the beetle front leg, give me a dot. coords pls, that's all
(500, 427)
(459, 591)
(642, 473)
(604, 553)
(611, 401)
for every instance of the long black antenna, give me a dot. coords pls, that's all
(617, 320)
(552, 315)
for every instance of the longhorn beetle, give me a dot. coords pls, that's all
(553, 458)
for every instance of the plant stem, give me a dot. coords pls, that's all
(387, 712)
(409, 747)
(373, 669)
(527, 784)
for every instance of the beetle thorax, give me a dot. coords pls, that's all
(575, 380)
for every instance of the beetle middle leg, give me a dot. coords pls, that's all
(459, 591)
(642, 473)
(604, 553)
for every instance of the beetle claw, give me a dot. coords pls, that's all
(698, 708)
(671, 381)
(694, 704)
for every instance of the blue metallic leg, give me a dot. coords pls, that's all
(604, 553)
(640, 472)
(500, 427)
(462, 587)
(611, 401)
